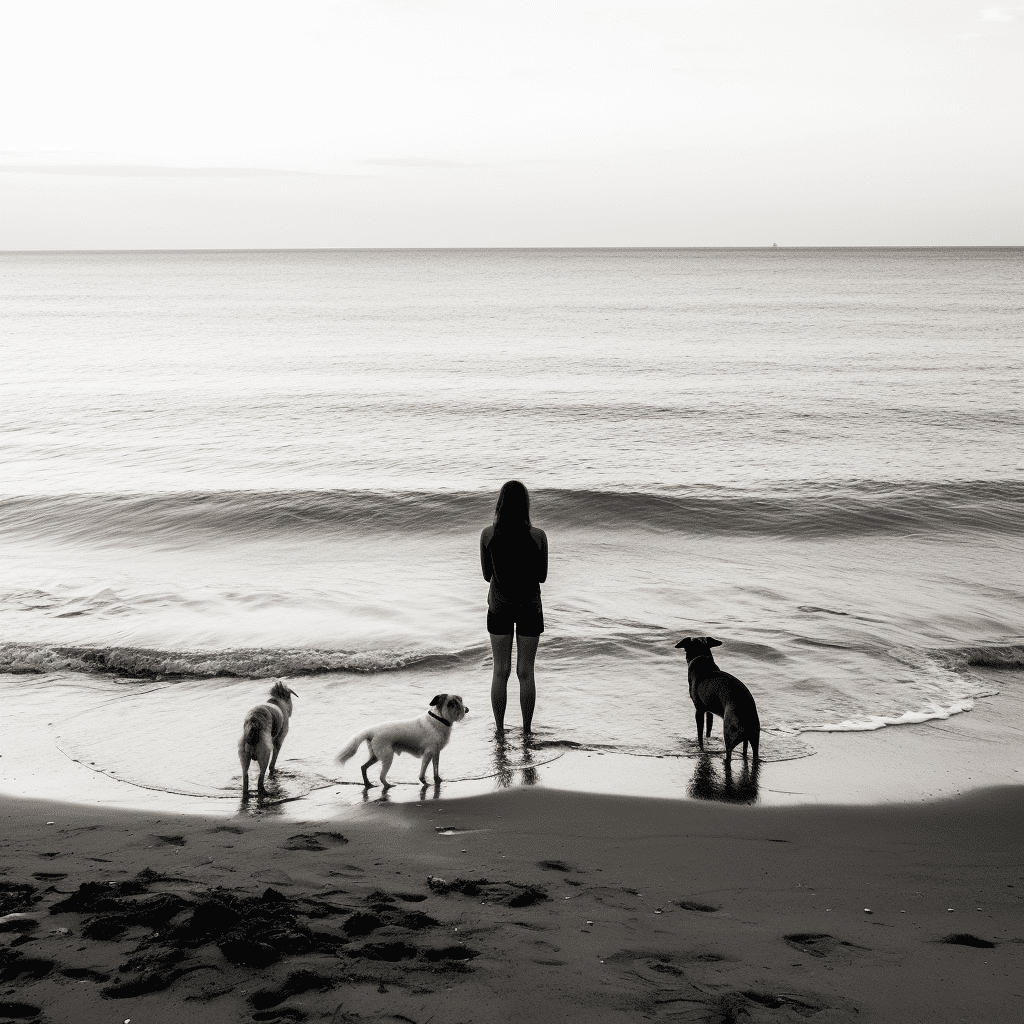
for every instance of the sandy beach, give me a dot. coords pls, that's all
(553, 906)
(530, 903)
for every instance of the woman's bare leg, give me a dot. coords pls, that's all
(526, 653)
(501, 649)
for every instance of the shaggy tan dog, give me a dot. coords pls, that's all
(263, 732)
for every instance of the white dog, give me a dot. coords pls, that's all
(263, 732)
(424, 737)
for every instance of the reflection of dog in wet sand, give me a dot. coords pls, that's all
(263, 733)
(424, 737)
(715, 692)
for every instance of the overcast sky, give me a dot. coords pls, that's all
(226, 124)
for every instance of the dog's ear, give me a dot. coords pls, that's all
(712, 642)
(683, 642)
(438, 700)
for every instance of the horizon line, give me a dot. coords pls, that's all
(508, 248)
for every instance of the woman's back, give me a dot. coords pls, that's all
(517, 560)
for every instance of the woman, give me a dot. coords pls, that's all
(514, 559)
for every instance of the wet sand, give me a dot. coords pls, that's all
(898, 764)
(553, 906)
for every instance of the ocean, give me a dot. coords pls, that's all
(224, 467)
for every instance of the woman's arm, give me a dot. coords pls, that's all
(485, 555)
(542, 541)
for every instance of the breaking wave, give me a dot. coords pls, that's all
(800, 510)
(1010, 656)
(253, 663)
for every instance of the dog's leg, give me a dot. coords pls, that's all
(278, 744)
(245, 759)
(385, 767)
(744, 750)
(263, 751)
(369, 764)
(732, 731)
(710, 719)
(700, 728)
(423, 768)
(437, 772)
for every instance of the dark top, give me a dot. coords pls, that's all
(514, 564)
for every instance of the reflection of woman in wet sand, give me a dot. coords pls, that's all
(514, 559)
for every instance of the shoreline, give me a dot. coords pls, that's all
(896, 764)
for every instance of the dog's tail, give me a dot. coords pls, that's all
(352, 746)
(251, 730)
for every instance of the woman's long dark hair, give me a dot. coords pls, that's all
(512, 511)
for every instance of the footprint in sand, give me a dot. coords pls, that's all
(314, 841)
(275, 876)
(84, 974)
(800, 1004)
(966, 939)
(170, 840)
(555, 865)
(18, 923)
(18, 1011)
(546, 954)
(818, 943)
(347, 871)
(25, 968)
(697, 907)
(295, 984)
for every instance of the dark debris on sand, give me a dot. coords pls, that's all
(509, 894)
(163, 933)
(15, 896)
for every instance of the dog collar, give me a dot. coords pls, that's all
(699, 656)
(438, 718)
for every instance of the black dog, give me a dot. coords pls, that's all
(715, 692)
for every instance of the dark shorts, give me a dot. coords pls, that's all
(527, 619)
